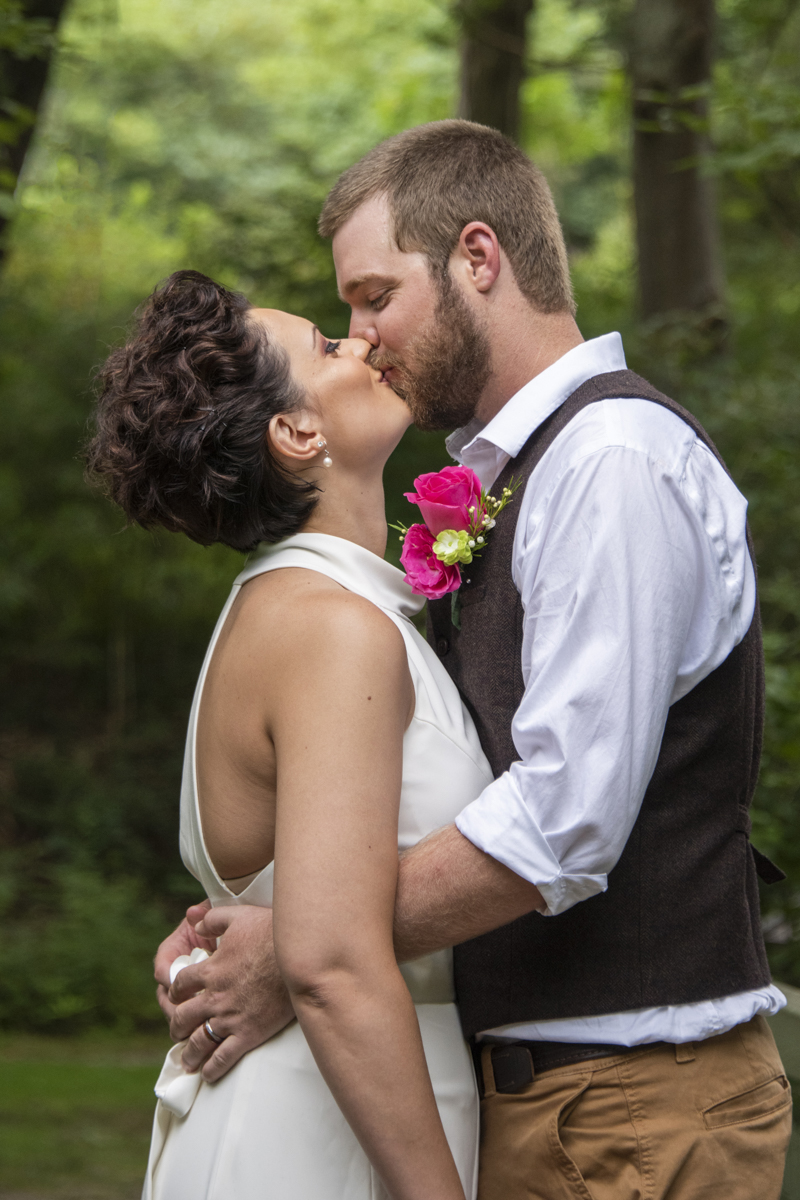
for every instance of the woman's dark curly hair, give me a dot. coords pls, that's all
(182, 415)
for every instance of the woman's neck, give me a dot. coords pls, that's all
(352, 508)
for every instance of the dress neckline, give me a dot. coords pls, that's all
(352, 566)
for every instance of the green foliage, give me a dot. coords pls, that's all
(22, 38)
(206, 136)
(87, 963)
(26, 37)
(758, 101)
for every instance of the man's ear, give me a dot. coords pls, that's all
(296, 435)
(478, 255)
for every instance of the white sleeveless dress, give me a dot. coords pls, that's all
(270, 1129)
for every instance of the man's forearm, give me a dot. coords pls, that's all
(449, 891)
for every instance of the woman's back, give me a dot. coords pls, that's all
(256, 656)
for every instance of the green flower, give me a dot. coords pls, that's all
(453, 546)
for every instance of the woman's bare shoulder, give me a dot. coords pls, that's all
(296, 606)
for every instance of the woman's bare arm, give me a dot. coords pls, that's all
(448, 891)
(345, 700)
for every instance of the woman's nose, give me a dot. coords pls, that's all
(358, 347)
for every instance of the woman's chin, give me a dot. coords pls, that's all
(399, 438)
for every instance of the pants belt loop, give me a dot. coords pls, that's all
(489, 1088)
(685, 1053)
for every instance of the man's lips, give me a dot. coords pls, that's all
(391, 374)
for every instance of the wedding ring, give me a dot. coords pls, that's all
(214, 1036)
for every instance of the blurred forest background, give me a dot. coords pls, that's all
(175, 134)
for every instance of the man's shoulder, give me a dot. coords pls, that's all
(635, 425)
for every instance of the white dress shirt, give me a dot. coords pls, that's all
(630, 556)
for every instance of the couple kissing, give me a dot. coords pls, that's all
(482, 914)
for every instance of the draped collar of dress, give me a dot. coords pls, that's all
(352, 566)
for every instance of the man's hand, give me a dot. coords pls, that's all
(239, 991)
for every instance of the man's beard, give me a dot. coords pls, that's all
(451, 364)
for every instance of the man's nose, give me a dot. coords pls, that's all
(362, 327)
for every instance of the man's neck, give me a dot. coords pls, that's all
(524, 344)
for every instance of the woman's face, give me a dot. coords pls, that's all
(361, 418)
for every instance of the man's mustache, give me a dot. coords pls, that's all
(382, 362)
(385, 362)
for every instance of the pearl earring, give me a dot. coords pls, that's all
(327, 460)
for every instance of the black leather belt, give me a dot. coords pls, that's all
(514, 1064)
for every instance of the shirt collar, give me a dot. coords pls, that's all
(487, 448)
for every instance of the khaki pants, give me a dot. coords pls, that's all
(706, 1121)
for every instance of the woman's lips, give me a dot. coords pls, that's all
(391, 375)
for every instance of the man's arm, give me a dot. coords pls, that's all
(448, 891)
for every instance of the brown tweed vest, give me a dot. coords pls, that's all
(680, 919)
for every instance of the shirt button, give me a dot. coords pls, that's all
(442, 646)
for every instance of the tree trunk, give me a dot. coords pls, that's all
(492, 61)
(680, 268)
(28, 44)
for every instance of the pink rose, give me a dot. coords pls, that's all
(444, 498)
(424, 572)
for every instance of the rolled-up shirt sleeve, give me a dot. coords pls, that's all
(631, 595)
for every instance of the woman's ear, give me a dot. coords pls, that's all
(296, 435)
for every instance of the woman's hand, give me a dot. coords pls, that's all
(182, 940)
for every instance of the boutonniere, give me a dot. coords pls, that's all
(459, 515)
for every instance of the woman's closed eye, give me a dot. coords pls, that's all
(332, 347)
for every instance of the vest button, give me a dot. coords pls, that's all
(442, 646)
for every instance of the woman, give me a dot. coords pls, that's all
(324, 733)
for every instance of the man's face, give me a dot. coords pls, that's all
(424, 335)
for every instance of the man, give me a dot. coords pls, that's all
(601, 893)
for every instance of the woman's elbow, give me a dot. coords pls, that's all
(328, 979)
(311, 982)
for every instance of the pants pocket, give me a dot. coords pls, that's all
(594, 1141)
(758, 1102)
(559, 1139)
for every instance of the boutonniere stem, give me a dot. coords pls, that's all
(455, 609)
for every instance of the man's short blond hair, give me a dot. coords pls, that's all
(439, 177)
